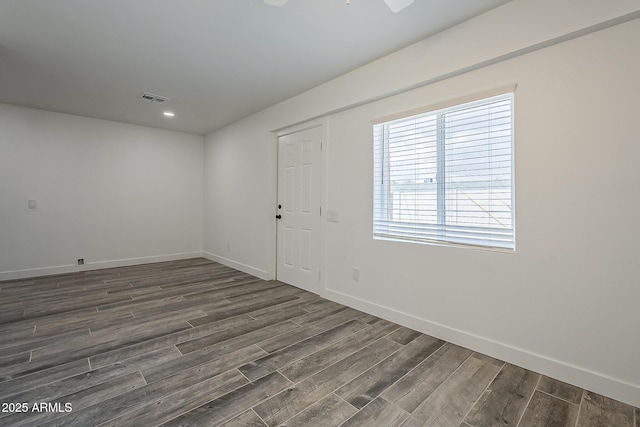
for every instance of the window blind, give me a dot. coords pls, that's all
(446, 176)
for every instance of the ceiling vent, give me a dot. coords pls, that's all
(156, 99)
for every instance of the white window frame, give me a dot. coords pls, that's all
(497, 234)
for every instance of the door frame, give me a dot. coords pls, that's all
(322, 123)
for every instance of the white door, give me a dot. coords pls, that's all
(298, 210)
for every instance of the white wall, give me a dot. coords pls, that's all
(239, 198)
(111, 193)
(565, 304)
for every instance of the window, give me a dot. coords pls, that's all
(446, 176)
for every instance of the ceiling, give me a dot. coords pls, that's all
(217, 60)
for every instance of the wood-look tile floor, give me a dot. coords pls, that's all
(195, 343)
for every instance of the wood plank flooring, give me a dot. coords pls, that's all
(195, 343)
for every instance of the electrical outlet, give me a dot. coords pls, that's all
(32, 204)
(80, 261)
(356, 274)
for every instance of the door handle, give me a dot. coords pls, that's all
(278, 216)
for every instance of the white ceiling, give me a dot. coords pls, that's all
(217, 60)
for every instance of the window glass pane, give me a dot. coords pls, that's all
(412, 169)
(478, 165)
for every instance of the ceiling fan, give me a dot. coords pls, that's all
(395, 5)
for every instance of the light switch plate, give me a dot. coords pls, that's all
(332, 216)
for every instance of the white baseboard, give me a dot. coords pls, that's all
(99, 265)
(261, 274)
(614, 388)
(37, 272)
(94, 265)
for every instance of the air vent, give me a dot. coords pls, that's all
(156, 99)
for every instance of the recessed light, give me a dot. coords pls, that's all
(168, 114)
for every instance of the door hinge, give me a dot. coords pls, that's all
(320, 210)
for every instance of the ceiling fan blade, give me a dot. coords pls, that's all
(397, 5)
(277, 3)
